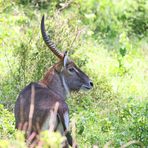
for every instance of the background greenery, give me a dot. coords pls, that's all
(108, 39)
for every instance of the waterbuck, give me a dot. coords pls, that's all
(41, 97)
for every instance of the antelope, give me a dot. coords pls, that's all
(59, 81)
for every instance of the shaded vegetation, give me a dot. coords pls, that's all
(106, 38)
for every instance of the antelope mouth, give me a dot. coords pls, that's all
(86, 87)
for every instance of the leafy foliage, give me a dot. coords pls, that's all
(6, 123)
(49, 139)
(107, 39)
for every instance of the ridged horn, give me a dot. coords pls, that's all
(48, 42)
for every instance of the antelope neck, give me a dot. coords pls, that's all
(57, 84)
(64, 85)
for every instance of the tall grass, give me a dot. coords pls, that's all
(108, 39)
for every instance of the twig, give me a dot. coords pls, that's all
(31, 109)
(107, 144)
(78, 33)
(133, 142)
(66, 5)
(8, 62)
(21, 110)
(53, 117)
(95, 146)
(76, 36)
(74, 144)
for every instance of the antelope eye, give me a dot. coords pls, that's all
(71, 69)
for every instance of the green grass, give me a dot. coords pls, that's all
(109, 47)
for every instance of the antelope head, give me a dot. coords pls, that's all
(72, 78)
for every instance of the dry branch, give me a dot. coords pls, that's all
(31, 110)
(133, 142)
(66, 5)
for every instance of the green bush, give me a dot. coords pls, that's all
(51, 139)
(6, 123)
(137, 18)
(102, 37)
(132, 122)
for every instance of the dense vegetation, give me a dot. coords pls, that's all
(108, 39)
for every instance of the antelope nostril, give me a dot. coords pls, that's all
(91, 84)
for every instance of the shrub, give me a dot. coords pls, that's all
(6, 123)
(103, 38)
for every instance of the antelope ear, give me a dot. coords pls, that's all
(65, 58)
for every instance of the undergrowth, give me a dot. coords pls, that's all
(107, 39)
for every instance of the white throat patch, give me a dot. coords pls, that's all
(65, 87)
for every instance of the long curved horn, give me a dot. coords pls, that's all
(48, 42)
